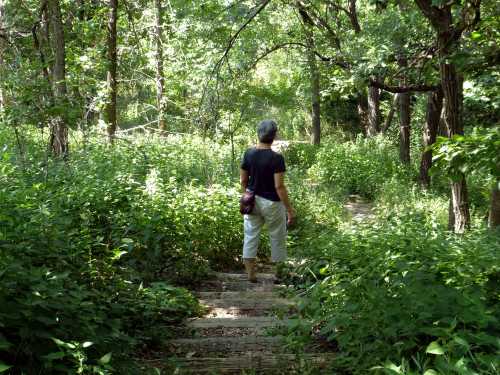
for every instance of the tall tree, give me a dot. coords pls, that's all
(404, 117)
(2, 62)
(449, 32)
(430, 130)
(494, 215)
(373, 111)
(308, 25)
(391, 113)
(110, 113)
(315, 88)
(160, 76)
(59, 128)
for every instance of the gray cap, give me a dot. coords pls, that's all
(266, 131)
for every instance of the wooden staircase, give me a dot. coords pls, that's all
(232, 338)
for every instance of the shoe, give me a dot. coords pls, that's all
(250, 268)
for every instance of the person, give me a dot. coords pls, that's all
(263, 172)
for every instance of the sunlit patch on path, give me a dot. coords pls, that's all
(359, 209)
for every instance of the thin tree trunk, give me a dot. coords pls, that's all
(432, 119)
(112, 70)
(353, 16)
(362, 106)
(2, 62)
(404, 130)
(315, 88)
(494, 216)
(390, 115)
(404, 118)
(160, 76)
(373, 111)
(452, 89)
(59, 129)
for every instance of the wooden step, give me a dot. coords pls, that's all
(260, 362)
(247, 322)
(231, 295)
(242, 285)
(262, 277)
(199, 346)
(247, 304)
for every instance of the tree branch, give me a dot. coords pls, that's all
(232, 40)
(267, 52)
(401, 89)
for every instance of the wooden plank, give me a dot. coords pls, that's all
(263, 277)
(247, 304)
(226, 345)
(258, 361)
(243, 285)
(231, 295)
(244, 322)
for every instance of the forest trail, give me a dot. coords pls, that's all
(233, 337)
(359, 208)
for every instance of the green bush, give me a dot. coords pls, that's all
(84, 245)
(359, 167)
(386, 292)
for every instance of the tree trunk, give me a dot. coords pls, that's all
(404, 117)
(160, 76)
(353, 16)
(494, 216)
(362, 106)
(390, 115)
(2, 62)
(315, 87)
(373, 111)
(59, 129)
(447, 36)
(452, 89)
(432, 119)
(112, 70)
(404, 130)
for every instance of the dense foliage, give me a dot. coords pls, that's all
(121, 128)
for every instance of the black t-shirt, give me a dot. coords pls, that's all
(261, 165)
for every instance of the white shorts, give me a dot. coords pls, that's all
(274, 215)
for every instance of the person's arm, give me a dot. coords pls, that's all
(243, 180)
(279, 184)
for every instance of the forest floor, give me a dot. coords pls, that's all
(240, 331)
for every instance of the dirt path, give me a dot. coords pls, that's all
(232, 338)
(359, 208)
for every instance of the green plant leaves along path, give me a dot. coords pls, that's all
(122, 127)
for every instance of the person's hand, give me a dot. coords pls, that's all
(291, 214)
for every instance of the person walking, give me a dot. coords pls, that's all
(263, 172)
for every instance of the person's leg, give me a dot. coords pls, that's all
(252, 225)
(275, 217)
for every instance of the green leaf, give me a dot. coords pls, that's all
(86, 344)
(434, 348)
(430, 372)
(4, 367)
(105, 359)
(55, 355)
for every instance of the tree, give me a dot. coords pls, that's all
(430, 129)
(160, 75)
(373, 111)
(448, 33)
(314, 76)
(59, 129)
(2, 62)
(110, 111)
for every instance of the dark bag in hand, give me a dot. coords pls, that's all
(247, 202)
